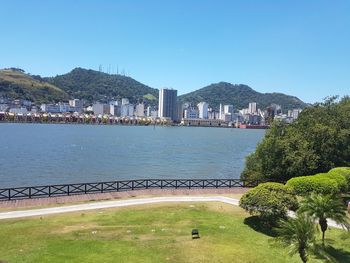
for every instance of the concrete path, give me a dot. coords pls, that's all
(123, 203)
(118, 203)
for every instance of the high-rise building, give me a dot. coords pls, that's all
(140, 110)
(127, 110)
(203, 110)
(167, 103)
(228, 109)
(100, 108)
(252, 107)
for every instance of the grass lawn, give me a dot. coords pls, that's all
(152, 233)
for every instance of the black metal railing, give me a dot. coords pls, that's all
(118, 186)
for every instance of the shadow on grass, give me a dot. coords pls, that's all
(256, 224)
(331, 254)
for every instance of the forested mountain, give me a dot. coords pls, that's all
(240, 96)
(16, 84)
(98, 86)
(94, 86)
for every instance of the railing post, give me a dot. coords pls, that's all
(30, 192)
(189, 184)
(67, 189)
(216, 183)
(9, 194)
(161, 184)
(117, 186)
(101, 187)
(176, 185)
(85, 188)
(132, 185)
(49, 190)
(147, 183)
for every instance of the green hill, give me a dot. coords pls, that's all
(240, 96)
(98, 86)
(93, 86)
(15, 84)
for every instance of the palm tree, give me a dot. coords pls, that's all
(321, 207)
(298, 234)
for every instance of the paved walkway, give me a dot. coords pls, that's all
(119, 203)
(130, 202)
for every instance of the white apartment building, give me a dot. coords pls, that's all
(252, 108)
(140, 110)
(203, 110)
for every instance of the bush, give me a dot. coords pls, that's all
(270, 201)
(335, 181)
(344, 171)
(304, 185)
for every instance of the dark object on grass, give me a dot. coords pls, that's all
(195, 233)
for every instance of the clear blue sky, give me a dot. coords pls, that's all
(300, 48)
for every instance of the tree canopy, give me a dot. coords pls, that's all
(316, 142)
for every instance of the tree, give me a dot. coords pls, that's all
(323, 207)
(316, 142)
(298, 234)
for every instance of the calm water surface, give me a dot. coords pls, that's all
(35, 154)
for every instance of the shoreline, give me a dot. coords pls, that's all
(132, 124)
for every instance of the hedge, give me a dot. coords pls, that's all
(335, 181)
(270, 201)
(344, 171)
(304, 185)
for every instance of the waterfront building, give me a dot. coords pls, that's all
(203, 110)
(148, 111)
(64, 107)
(220, 111)
(252, 108)
(213, 114)
(140, 110)
(154, 114)
(19, 110)
(191, 113)
(127, 110)
(125, 101)
(51, 108)
(179, 111)
(167, 103)
(76, 103)
(115, 110)
(228, 109)
(100, 109)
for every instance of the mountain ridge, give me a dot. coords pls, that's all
(93, 85)
(240, 95)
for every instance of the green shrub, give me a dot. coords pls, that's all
(270, 201)
(344, 171)
(304, 185)
(339, 177)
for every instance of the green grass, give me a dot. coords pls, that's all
(155, 233)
